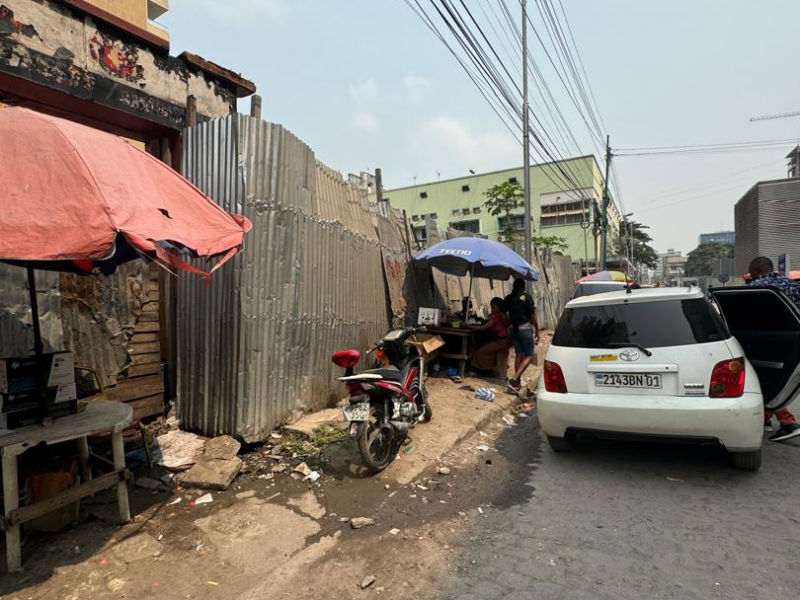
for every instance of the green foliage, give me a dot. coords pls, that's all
(325, 435)
(555, 243)
(701, 260)
(643, 252)
(503, 199)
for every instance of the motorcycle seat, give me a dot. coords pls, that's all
(385, 373)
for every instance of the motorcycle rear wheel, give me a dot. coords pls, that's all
(377, 442)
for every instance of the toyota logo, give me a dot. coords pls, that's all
(629, 355)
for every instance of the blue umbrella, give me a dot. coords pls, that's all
(478, 257)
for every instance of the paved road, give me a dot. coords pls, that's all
(633, 521)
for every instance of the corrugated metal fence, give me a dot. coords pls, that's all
(255, 346)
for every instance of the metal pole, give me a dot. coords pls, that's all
(526, 136)
(606, 200)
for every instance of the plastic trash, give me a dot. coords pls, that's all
(485, 394)
(206, 499)
(484, 448)
(312, 477)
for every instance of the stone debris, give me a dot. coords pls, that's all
(218, 466)
(359, 522)
(366, 582)
(177, 450)
(223, 447)
(303, 469)
(443, 471)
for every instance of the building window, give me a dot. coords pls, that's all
(465, 212)
(471, 226)
(513, 180)
(434, 216)
(423, 195)
(465, 188)
(415, 218)
(421, 234)
(456, 211)
(476, 210)
(517, 223)
(564, 213)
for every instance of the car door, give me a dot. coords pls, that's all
(767, 325)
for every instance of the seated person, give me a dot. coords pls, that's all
(484, 359)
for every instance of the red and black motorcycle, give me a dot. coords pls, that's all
(385, 403)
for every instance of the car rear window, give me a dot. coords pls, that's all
(651, 324)
(591, 289)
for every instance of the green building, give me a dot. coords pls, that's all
(556, 211)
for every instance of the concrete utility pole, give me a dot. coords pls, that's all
(379, 185)
(606, 200)
(526, 136)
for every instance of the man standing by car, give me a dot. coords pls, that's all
(762, 273)
(524, 331)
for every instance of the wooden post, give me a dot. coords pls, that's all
(11, 503)
(118, 450)
(255, 106)
(191, 111)
(83, 459)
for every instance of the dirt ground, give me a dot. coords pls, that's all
(275, 536)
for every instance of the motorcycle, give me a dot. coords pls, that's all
(387, 402)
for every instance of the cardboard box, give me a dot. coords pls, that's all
(427, 345)
(429, 316)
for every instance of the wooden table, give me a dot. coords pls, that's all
(465, 334)
(99, 417)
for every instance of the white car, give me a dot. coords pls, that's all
(590, 288)
(663, 364)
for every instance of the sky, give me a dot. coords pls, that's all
(367, 85)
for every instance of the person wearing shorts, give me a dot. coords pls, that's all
(523, 331)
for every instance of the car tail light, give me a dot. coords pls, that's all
(554, 378)
(727, 379)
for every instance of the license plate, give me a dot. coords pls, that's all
(646, 381)
(357, 412)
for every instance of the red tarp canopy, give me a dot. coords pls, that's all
(68, 192)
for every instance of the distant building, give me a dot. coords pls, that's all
(139, 13)
(570, 214)
(720, 237)
(670, 271)
(767, 220)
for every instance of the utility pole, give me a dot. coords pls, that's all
(606, 201)
(526, 136)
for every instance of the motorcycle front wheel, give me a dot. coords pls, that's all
(377, 441)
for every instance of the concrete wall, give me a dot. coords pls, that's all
(48, 44)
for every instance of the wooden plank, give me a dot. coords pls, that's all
(141, 370)
(146, 327)
(28, 513)
(454, 356)
(145, 348)
(152, 294)
(149, 316)
(147, 407)
(146, 359)
(133, 389)
(144, 337)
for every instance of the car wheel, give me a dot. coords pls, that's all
(565, 444)
(747, 461)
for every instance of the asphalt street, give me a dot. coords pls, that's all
(618, 521)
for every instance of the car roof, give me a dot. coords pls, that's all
(640, 295)
(597, 282)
